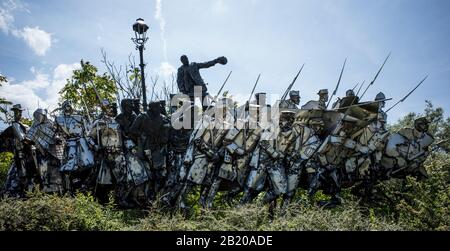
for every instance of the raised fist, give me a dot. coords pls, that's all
(222, 60)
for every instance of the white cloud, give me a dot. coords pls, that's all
(7, 9)
(219, 7)
(41, 81)
(6, 20)
(162, 26)
(65, 71)
(19, 93)
(166, 69)
(38, 40)
(60, 75)
(42, 90)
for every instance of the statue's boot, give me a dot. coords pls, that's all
(213, 190)
(181, 201)
(231, 195)
(248, 197)
(272, 206)
(331, 203)
(287, 199)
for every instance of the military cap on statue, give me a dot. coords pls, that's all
(17, 107)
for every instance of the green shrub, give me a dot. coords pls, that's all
(51, 212)
(5, 161)
(422, 205)
(255, 218)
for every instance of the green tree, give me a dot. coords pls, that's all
(4, 103)
(83, 87)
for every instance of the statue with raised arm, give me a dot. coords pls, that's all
(189, 75)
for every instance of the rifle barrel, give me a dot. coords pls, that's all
(337, 85)
(376, 76)
(292, 84)
(360, 88)
(254, 87)
(409, 94)
(223, 85)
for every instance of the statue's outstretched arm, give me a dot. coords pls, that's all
(219, 60)
(207, 64)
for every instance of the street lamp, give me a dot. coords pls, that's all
(140, 31)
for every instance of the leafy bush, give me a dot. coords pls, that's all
(51, 212)
(255, 218)
(422, 205)
(5, 161)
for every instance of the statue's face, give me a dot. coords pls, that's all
(17, 115)
(39, 117)
(113, 110)
(128, 109)
(137, 106)
(348, 126)
(154, 108)
(68, 109)
(127, 106)
(184, 60)
(324, 97)
(317, 127)
(295, 99)
(422, 126)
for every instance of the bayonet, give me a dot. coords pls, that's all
(223, 85)
(292, 84)
(376, 76)
(359, 90)
(254, 87)
(243, 112)
(407, 95)
(250, 98)
(100, 100)
(338, 83)
(357, 84)
(96, 92)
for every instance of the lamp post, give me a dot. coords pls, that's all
(140, 29)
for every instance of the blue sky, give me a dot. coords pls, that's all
(43, 41)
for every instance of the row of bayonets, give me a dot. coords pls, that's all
(193, 135)
(291, 85)
(284, 97)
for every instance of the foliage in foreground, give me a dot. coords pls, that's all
(49, 212)
(412, 205)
